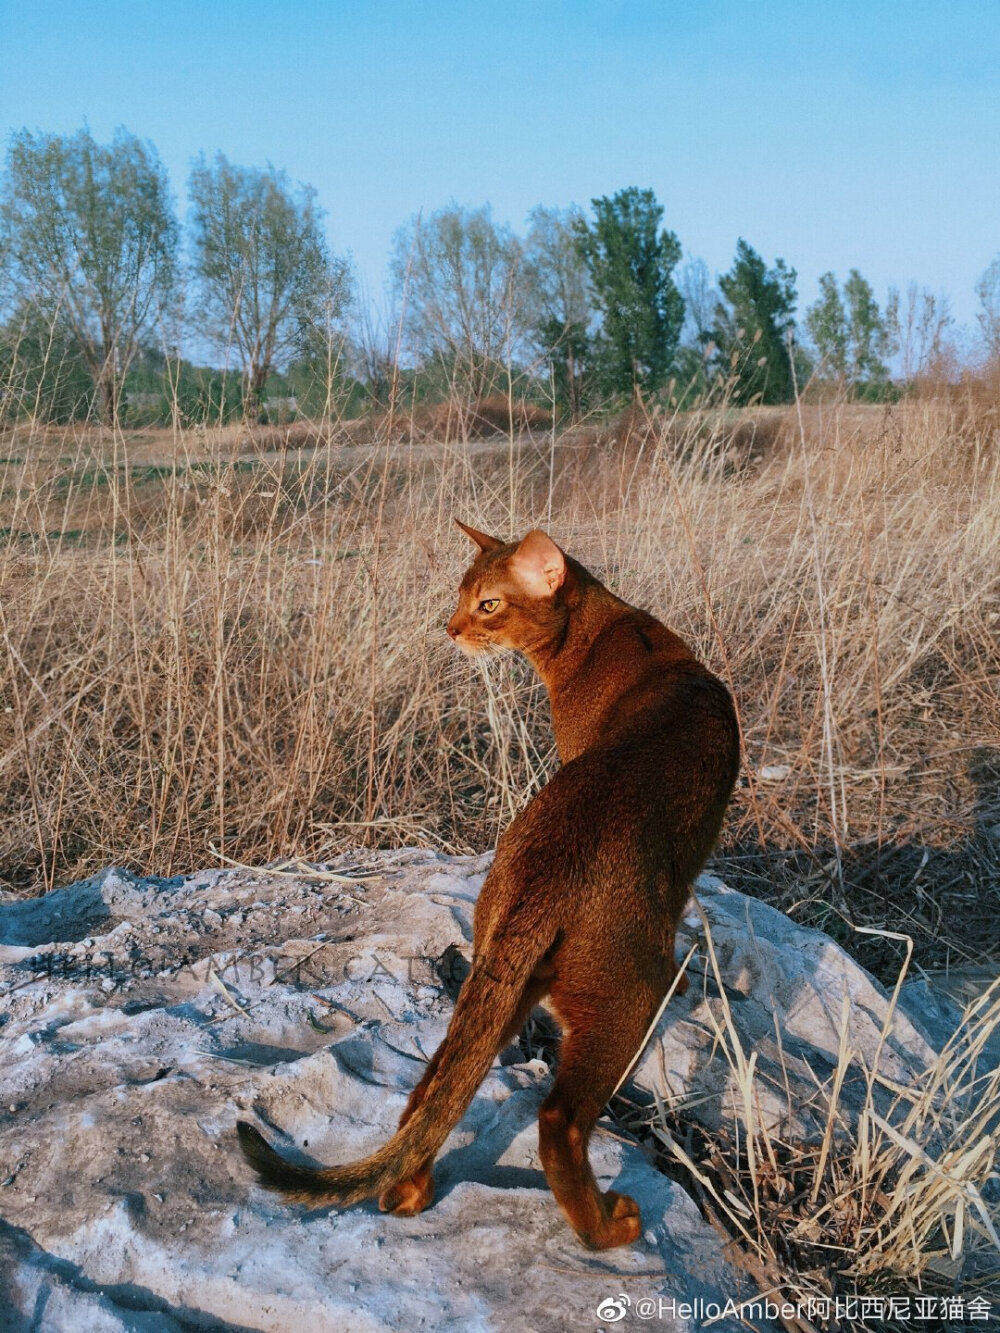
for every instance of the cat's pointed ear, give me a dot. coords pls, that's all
(539, 564)
(480, 538)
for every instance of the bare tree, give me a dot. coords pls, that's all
(916, 326)
(266, 279)
(988, 291)
(377, 337)
(457, 277)
(90, 242)
(559, 305)
(700, 301)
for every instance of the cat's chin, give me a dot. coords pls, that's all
(479, 649)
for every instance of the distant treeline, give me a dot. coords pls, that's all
(101, 288)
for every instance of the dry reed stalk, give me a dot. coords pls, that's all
(201, 646)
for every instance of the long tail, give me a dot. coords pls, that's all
(486, 1005)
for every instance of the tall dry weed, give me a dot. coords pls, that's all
(215, 645)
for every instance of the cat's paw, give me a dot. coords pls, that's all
(620, 1205)
(622, 1223)
(408, 1197)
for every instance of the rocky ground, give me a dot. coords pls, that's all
(140, 1017)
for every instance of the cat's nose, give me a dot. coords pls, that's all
(452, 628)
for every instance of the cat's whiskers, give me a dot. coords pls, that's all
(481, 648)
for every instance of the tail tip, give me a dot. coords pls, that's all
(256, 1148)
(299, 1184)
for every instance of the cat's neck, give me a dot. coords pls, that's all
(605, 649)
(592, 609)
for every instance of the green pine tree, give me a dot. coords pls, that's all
(753, 325)
(630, 261)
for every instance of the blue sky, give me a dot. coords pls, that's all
(831, 133)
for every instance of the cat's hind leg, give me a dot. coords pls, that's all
(604, 1032)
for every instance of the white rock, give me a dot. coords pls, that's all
(131, 1207)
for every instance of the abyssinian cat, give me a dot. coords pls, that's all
(587, 886)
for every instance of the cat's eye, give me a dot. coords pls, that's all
(489, 606)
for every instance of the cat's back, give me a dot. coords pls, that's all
(641, 685)
(647, 735)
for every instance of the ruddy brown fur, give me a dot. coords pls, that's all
(587, 886)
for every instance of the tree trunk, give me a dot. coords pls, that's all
(253, 404)
(571, 385)
(109, 391)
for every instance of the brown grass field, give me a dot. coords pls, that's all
(215, 644)
(228, 644)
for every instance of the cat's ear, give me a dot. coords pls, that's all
(539, 564)
(480, 538)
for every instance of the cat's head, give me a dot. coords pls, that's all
(510, 595)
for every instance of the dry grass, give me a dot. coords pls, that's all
(898, 1202)
(218, 644)
(215, 644)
